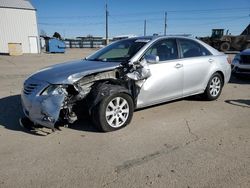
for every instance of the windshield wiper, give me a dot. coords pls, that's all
(95, 59)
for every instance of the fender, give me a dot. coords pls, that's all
(104, 89)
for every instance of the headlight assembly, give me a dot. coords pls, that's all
(54, 90)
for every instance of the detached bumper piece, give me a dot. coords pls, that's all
(27, 124)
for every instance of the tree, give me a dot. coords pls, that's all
(57, 35)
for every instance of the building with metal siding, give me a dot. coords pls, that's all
(18, 24)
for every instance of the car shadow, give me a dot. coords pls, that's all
(11, 112)
(161, 104)
(239, 79)
(85, 124)
(245, 103)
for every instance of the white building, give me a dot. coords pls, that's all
(18, 24)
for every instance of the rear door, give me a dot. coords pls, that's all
(166, 80)
(197, 62)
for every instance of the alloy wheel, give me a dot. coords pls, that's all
(117, 112)
(215, 86)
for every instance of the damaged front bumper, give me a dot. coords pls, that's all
(49, 105)
(42, 110)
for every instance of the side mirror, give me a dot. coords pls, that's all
(151, 58)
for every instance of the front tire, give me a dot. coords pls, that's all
(113, 112)
(214, 87)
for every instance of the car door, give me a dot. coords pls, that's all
(197, 62)
(166, 80)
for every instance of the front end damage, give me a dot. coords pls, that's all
(58, 105)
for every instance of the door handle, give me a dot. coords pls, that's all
(210, 60)
(178, 65)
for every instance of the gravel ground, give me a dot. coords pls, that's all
(186, 143)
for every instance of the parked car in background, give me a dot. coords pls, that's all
(241, 63)
(126, 75)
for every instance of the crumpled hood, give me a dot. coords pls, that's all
(67, 73)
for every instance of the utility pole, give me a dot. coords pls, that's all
(165, 23)
(107, 14)
(145, 27)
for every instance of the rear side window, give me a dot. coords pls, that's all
(166, 50)
(191, 48)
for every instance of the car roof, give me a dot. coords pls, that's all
(160, 36)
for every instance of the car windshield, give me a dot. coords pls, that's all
(120, 51)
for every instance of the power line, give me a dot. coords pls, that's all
(182, 11)
(71, 17)
(218, 19)
(177, 19)
(70, 24)
(168, 18)
(217, 22)
(149, 12)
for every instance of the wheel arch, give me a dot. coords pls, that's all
(106, 88)
(211, 74)
(207, 94)
(222, 76)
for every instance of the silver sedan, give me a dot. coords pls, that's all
(126, 75)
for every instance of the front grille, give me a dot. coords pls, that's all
(29, 88)
(245, 59)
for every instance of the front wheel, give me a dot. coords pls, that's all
(113, 112)
(214, 87)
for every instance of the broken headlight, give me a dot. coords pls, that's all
(55, 90)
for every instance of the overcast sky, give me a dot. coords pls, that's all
(82, 17)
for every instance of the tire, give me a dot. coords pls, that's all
(214, 87)
(225, 46)
(109, 116)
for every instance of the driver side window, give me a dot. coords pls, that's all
(165, 49)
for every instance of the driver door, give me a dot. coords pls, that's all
(166, 80)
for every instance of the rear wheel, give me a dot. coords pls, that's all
(225, 46)
(113, 112)
(214, 87)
